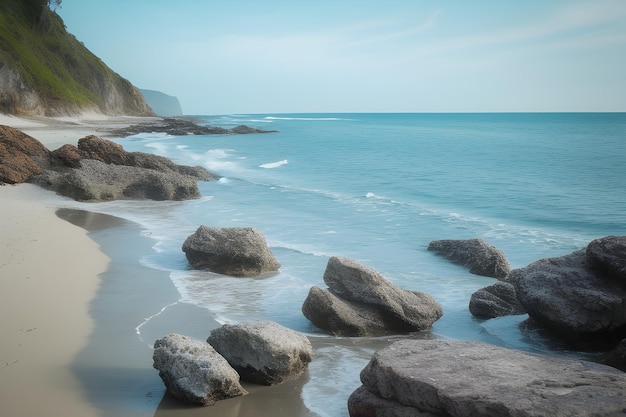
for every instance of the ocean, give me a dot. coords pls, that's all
(378, 188)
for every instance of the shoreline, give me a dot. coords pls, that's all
(51, 271)
(104, 311)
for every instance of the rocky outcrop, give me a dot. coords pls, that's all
(21, 156)
(579, 297)
(96, 170)
(193, 372)
(481, 258)
(182, 127)
(101, 170)
(359, 302)
(234, 251)
(417, 378)
(263, 353)
(496, 300)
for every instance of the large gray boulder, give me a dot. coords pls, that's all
(417, 378)
(359, 301)
(608, 255)
(234, 251)
(577, 301)
(193, 372)
(481, 258)
(265, 352)
(496, 300)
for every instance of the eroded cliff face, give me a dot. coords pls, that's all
(45, 71)
(114, 96)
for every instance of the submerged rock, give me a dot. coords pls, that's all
(481, 258)
(234, 251)
(193, 372)
(416, 378)
(362, 302)
(265, 352)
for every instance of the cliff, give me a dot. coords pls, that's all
(46, 71)
(162, 104)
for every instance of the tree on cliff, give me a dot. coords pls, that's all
(34, 9)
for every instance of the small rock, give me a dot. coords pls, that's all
(265, 352)
(496, 300)
(234, 251)
(481, 258)
(193, 372)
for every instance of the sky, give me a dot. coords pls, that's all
(272, 56)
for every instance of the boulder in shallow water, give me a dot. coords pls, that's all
(481, 258)
(417, 378)
(359, 301)
(608, 255)
(193, 372)
(496, 300)
(234, 251)
(576, 301)
(264, 353)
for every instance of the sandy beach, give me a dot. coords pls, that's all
(45, 292)
(50, 272)
(78, 308)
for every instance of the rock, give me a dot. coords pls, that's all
(181, 127)
(98, 181)
(573, 300)
(608, 255)
(246, 130)
(467, 379)
(101, 170)
(344, 318)
(68, 155)
(93, 147)
(193, 372)
(617, 357)
(362, 302)
(481, 258)
(21, 156)
(263, 353)
(234, 251)
(496, 300)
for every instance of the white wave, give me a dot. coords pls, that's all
(305, 118)
(274, 164)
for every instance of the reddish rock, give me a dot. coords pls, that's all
(103, 150)
(21, 156)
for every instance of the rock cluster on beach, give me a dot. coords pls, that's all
(417, 378)
(96, 170)
(359, 302)
(201, 373)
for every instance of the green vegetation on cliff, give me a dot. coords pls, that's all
(63, 74)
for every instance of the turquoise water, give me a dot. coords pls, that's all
(378, 188)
